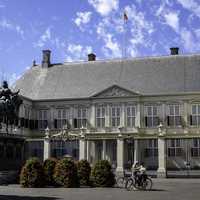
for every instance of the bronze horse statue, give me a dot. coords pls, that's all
(9, 106)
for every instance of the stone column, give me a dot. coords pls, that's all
(120, 155)
(137, 120)
(107, 116)
(82, 149)
(47, 148)
(122, 121)
(136, 146)
(104, 150)
(92, 115)
(161, 172)
(88, 151)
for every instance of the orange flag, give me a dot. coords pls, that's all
(125, 17)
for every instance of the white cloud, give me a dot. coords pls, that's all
(46, 36)
(188, 40)
(82, 18)
(13, 78)
(141, 28)
(7, 25)
(77, 52)
(104, 7)
(172, 19)
(111, 47)
(191, 5)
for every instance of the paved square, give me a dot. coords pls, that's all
(166, 189)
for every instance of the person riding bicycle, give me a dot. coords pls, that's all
(139, 171)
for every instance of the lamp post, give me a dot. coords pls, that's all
(161, 172)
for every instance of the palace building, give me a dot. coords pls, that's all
(126, 110)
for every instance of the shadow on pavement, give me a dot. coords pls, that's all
(13, 197)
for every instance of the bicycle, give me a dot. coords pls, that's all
(140, 183)
(121, 181)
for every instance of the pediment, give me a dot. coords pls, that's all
(115, 91)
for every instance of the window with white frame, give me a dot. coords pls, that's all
(100, 116)
(151, 116)
(130, 115)
(174, 148)
(81, 117)
(195, 150)
(62, 117)
(152, 148)
(115, 116)
(195, 115)
(174, 115)
(42, 119)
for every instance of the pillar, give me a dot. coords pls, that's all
(82, 149)
(104, 150)
(161, 172)
(47, 148)
(88, 151)
(120, 155)
(136, 146)
(92, 115)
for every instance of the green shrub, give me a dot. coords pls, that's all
(49, 166)
(32, 174)
(65, 173)
(102, 175)
(84, 171)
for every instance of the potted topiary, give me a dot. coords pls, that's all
(65, 173)
(48, 167)
(102, 174)
(84, 171)
(32, 174)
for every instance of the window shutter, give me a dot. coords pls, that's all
(16, 122)
(36, 124)
(26, 123)
(146, 123)
(22, 122)
(168, 123)
(75, 123)
(55, 124)
(191, 121)
(45, 123)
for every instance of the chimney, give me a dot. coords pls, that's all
(46, 58)
(174, 50)
(91, 57)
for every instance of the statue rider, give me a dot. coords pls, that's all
(6, 94)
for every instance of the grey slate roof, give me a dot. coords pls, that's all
(146, 76)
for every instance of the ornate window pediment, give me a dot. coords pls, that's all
(115, 91)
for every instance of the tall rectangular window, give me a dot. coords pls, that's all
(195, 117)
(130, 116)
(115, 116)
(100, 116)
(152, 148)
(81, 117)
(151, 116)
(42, 119)
(63, 116)
(174, 115)
(195, 150)
(174, 148)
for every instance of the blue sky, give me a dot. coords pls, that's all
(72, 29)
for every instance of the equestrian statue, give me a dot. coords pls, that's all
(9, 106)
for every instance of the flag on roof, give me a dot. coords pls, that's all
(125, 16)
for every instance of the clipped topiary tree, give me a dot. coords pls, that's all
(102, 174)
(84, 171)
(65, 173)
(48, 167)
(32, 174)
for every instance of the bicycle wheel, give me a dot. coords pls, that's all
(129, 184)
(121, 182)
(147, 184)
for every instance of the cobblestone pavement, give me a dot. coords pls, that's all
(163, 189)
